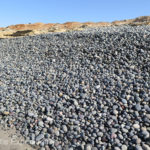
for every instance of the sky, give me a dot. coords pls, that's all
(60, 11)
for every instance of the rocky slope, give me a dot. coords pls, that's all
(40, 28)
(85, 90)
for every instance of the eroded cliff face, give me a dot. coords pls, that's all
(41, 28)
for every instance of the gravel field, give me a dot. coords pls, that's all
(81, 90)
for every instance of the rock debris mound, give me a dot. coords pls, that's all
(79, 90)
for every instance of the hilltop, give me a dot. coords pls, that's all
(41, 28)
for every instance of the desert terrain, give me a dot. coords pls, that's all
(41, 28)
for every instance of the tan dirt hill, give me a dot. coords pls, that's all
(40, 28)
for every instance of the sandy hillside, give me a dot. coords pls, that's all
(40, 28)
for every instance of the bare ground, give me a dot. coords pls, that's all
(11, 140)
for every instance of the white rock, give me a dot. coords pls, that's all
(41, 123)
(146, 147)
(136, 126)
(50, 120)
(115, 112)
(124, 147)
(98, 86)
(88, 147)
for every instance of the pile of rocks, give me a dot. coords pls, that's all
(78, 90)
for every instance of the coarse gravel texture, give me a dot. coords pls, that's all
(85, 90)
